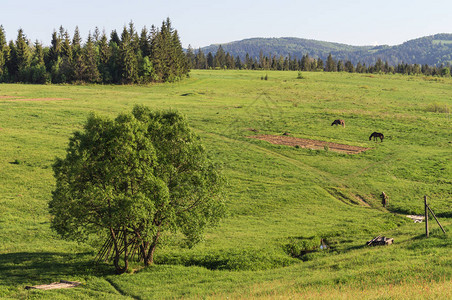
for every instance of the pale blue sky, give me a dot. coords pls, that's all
(201, 23)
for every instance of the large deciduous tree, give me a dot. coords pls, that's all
(132, 180)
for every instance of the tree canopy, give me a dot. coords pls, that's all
(132, 180)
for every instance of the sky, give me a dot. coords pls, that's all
(201, 23)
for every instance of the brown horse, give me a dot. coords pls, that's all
(376, 135)
(338, 122)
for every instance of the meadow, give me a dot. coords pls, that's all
(279, 198)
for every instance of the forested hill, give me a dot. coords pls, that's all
(431, 50)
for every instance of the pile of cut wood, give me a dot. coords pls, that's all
(380, 240)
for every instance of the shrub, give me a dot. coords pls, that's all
(299, 246)
(438, 108)
(233, 260)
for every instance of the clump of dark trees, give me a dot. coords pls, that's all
(224, 60)
(154, 55)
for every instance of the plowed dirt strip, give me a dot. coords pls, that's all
(33, 99)
(309, 144)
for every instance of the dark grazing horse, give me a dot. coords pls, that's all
(338, 122)
(376, 135)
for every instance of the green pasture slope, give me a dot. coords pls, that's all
(277, 196)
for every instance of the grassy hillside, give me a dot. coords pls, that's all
(278, 197)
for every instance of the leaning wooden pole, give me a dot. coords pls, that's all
(426, 215)
(433, 214)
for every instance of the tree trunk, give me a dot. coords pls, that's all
(149, 256)
(119, 269)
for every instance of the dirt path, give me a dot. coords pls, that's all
(307, 143)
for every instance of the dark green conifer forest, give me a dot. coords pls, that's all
(224, 60)
(154, 55)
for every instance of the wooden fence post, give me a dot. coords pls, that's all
(433, 214)
(426, 215)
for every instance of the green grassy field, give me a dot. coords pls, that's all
(276, 195)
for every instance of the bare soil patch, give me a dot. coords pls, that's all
(309, 144)
(63, 284)
(34, 99)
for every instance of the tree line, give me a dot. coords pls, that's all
(224, 60)
(154, 55)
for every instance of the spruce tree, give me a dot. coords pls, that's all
(190, 57)
(248, 62)
(127, 64)
(378, 66)
(96, 35)
(296, 66)
(200, 60)
(167, 54)
(340, 66)
(359, 68)
(280, 64)
(238, 62)
(210, 63)
(78, 63)
(145, 43)
(23, 57)
(55, 48)
(3, 55)
(330, 64)
(220, 58)
(286, 64)
(134, 39)
(11, 61)
(38, 69)
(305, 63)
(66, 66)
(91, 73)
(2, 38)
(66, 47)
(79, 67)
(114, 37)
(313, 64)
(178, 59)
(229, 61)
(274, 63)
(76, 41)
(261, 60)
(349, 67)
(54, 58)
(386, 67)
(104, 58)
(320, 64)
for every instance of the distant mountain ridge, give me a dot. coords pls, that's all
(432, 50)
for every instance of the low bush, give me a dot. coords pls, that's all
(234, 260)
(299, 246)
